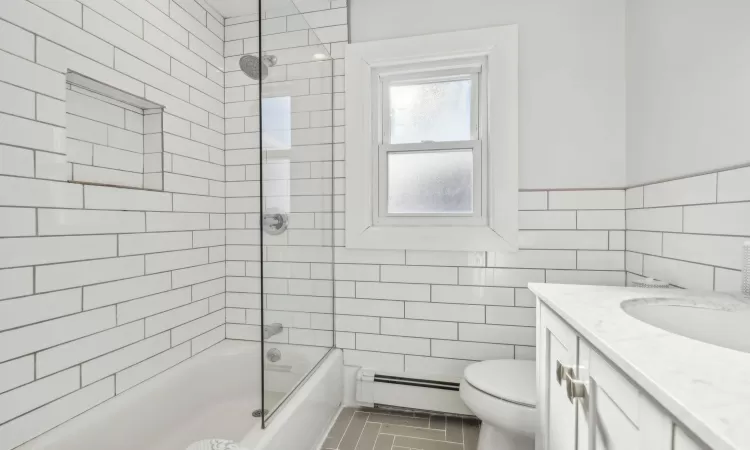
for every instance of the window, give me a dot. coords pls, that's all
(431, 145)
(277, 123)
(431, 133)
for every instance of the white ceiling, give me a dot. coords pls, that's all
(235, 8)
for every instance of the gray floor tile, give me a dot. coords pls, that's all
(339, 427)
(384, 442)
(454, 429)
(354, 431)
(423, 433)
(400, 420)
(368, 437)
(330, 444)
(437, 422)
(425, 444)
(390, 411)
(471, 434)
(395, 429)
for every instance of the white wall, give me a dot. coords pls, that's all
(688, 91)
(572, 77)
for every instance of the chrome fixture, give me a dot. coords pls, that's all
(562, 371)
(275, 223)
(255, 68)
(274, 355)
(575, 388)
(272, 330)
(260, 412)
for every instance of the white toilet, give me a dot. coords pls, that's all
(502, 394)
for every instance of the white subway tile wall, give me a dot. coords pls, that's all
(689, 232)
(102, 288)
(435, 312)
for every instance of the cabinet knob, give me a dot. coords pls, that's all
(575, 388)
(562, 371)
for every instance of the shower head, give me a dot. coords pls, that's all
(257, 68)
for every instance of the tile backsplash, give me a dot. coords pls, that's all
(690, 231)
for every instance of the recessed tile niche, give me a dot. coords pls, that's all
(113, 137)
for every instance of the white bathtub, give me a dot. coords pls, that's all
(211, 395)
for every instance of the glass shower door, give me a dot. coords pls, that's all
(295, 72)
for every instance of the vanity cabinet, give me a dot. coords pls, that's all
(586, 403)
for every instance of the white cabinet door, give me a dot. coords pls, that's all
(684, 442)
(607, 412)
(557, 347)
(615, 415)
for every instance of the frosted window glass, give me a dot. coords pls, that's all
(277, 123)
(430, 182)
(431, 112)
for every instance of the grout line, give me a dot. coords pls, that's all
(351, 419)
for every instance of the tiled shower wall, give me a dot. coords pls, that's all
(101, 287)
(301, 159)
(690, 231)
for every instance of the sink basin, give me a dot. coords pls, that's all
(724, 321)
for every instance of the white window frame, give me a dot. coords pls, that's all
(490, 57)
(472, 69)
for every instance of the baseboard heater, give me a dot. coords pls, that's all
(409, 392)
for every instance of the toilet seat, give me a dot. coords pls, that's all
(509, 380)
(502, 394)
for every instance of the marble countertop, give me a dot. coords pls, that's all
(706, 387)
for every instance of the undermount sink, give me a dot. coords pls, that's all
(719, 321)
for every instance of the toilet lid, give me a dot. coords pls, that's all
(508, 379)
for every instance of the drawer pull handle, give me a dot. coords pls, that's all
(574, 387)
(562, 371)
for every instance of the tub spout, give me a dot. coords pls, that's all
(272, 330)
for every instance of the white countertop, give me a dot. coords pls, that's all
(706, 387)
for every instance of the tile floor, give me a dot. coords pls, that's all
(386, 429)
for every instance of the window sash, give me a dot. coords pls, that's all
(469, 68)
(471, 73)
(479, 190)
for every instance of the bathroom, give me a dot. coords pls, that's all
(374, 224)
